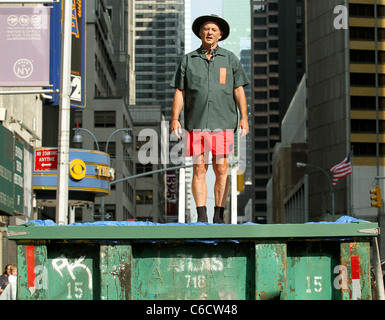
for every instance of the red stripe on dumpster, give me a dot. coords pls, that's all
(31, 265)
(356, 282)
(355, 261)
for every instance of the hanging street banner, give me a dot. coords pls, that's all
(18, 177)
(24, 46)
(12, 166)
(78, 67)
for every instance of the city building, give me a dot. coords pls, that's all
(109, 85)
(277, 68)
(150, 190)
(159, 35)
(345, 103)
(110, 82)
(287, 189)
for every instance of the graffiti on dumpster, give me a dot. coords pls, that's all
(75, 288)
(62, 263)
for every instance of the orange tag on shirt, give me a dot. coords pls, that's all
(222, 76)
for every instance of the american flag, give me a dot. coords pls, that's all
(342, 169)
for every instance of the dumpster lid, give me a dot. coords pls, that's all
(47, 229)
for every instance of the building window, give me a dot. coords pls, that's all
(259, 8)
(105, 119)
(139, 144)
(78, 118)
(361, 33)
(260, 21)
(109, 212)
(366, 103)
(111, 147)
(366, 126)
(362, 56)
(367, 149)
(361, 10)
(260, 33)
(143, 168)
(144, 197)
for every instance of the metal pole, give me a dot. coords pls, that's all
(91, 134)
(102, 202)
(378, 270)
(151, 172)
(182, 196)
(64, 117)
(234, 202)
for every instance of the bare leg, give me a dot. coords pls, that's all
(199, 186)
(221, 187)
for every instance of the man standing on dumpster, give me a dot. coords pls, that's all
(209, 84)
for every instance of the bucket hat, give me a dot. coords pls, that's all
(222, 23)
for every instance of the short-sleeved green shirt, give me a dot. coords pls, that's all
(209, 88)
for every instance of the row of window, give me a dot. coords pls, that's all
(263, 95)
(263, 33)
(273, 81)
(264, 70)
(263, 21)
(366, 34)
(273, 56)
(366, 10)
(366, 103)
(368, 149)
(264, 107)
(261, 8)
(366, 56)
(366, 126)
(366, 79)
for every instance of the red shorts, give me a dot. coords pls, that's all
(218, 142)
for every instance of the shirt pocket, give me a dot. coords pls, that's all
(224, 79)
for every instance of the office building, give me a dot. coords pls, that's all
(110, 72)
(277, 41)
(345, 103)
(159, 47)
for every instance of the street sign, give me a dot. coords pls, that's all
(46, 159)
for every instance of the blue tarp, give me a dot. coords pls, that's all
(343, 219)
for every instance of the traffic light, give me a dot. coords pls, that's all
(376, 197)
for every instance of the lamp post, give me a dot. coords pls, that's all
(300, 164)
(78, 139)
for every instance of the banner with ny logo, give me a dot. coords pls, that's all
(24, 46)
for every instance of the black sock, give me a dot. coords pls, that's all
(202, 214)
(218, 214)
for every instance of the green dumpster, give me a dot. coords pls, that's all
(139, 261)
